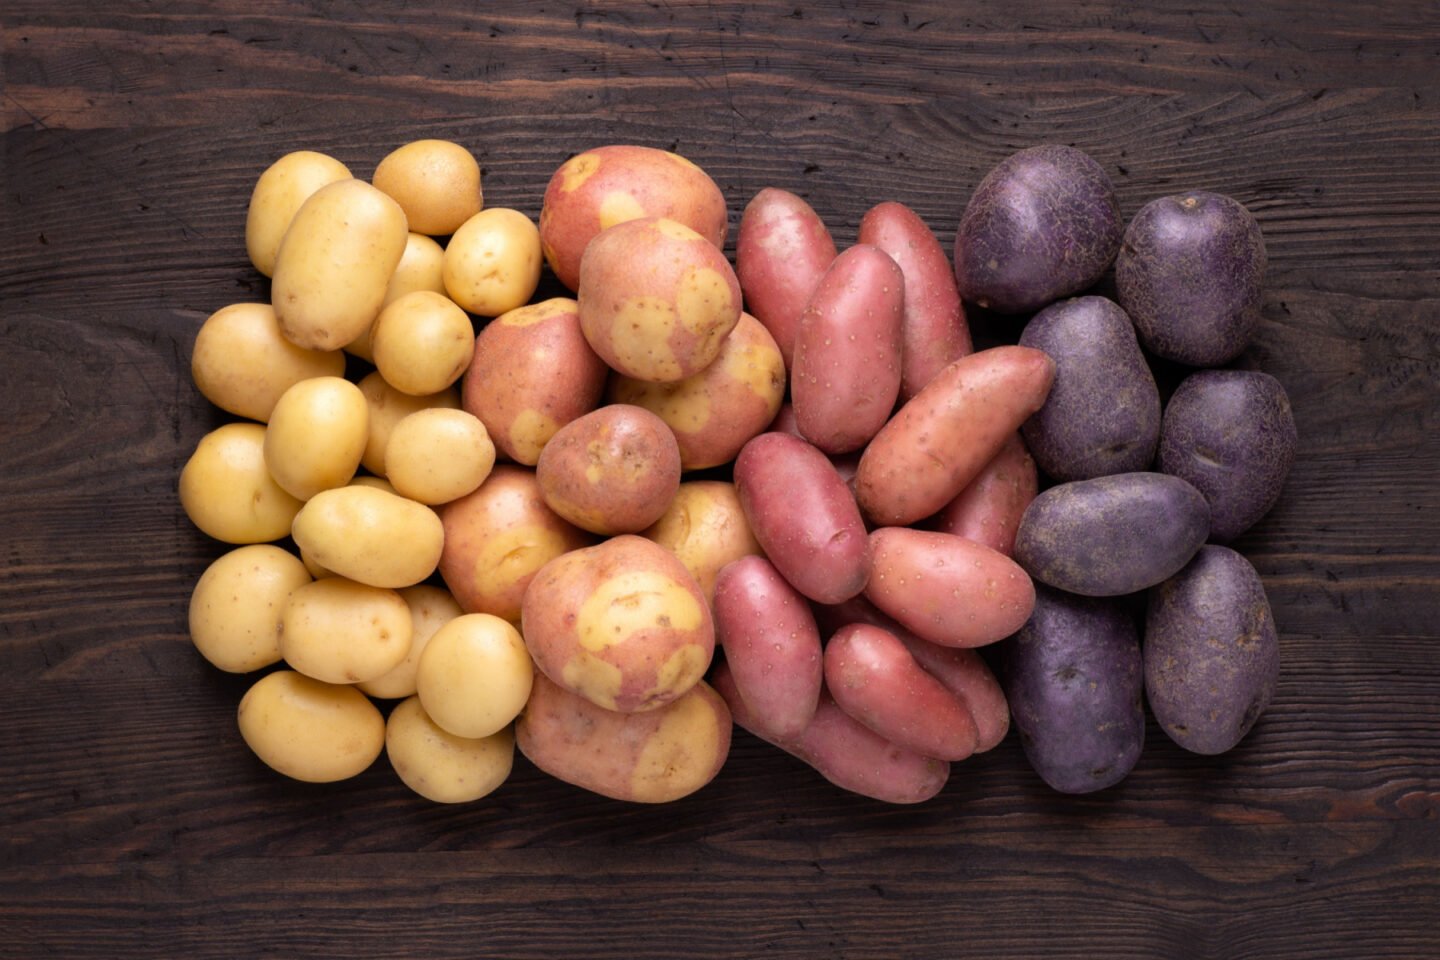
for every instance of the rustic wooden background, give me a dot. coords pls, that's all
(133, 822)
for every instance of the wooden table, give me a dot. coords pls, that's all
(134, 821)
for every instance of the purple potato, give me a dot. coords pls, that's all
(1042, 225)
(1073, 677)
(1212, 658)
(1230, 434)
(1103, 412)
(1112, 535)
(1189, 275)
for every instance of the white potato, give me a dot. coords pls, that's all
(312, 731)
(236, 606)
(437, 455)
(430, 609)
(279, 193)
(341, 631)
(317, 435)
(436, 183)
(370, 536)
(441, 766)
(475, 675)
(492, 263)
(227, 491)
(422, 343)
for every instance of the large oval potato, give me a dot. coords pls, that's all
(781, 252)
(370, 536)
(441, 766)
(340, 631)
(236, 606)
(316, 436)
(281, 190)
(614, 470)
(989, 509)
(492, 263)
(436, 183)
(309, 730)
(705, 527)
(227, 491)
(242, 363)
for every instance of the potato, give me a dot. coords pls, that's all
(236, 606)
(532, 373)
(438, 455)
(374, 483)
(420, 268)
(771, 644)
(226, 489)
(847, 753)
(940, 441)
(335, 264)
(309, 730)
(1103, 412)
(1212, 657)
(705, 527)
(622, 624)
(1190, 274)
(385, 407)
(933, 332)
(803, 516)
(340, 631)
(436, 183)
(846, 370)
(1042, 225)
(1073, 677)
(715, 412)
(497, 538)
(441, 766)
(652, 757)
(242, 363)
(1112, 535)
(781, 252)
(430, 609)
(492, 263)
(599, 188)
(611, 471)
(785, 422)
(1231, 435)
(370, 536)
(317, 435)
(474, 676)
(989, 509)
(946, 589)
(281, 190)
(656, 299)
(422, 343)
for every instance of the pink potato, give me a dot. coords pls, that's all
(781, 252)
(988, 511)
(803, 516)
(940, 441)
(934, 331)
(947, 589)
(846, 371)
(771, 644)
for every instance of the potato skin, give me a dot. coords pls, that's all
(1112, 535)
(1212, 656)
(846, 368)
(652, 757)
(242, 363)
(309, 730)
(371, 536)
(705, 527)
(989, 509)
(436, 183)
(1073, 677)
(284, 186)
(1231, 435)
(821, 550)
(1103, 412)
(781, 252)
(227, 491)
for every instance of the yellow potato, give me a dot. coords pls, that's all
(493, 262)
(377, 483)
(370, 536)
(309, 730)
(284, 186)
(706, 528)
(474, 675)
(441, 766)
(430, 609)
(422, 343)
(316, 436)
(437, 455)
(387, 407)
(419, 269)
(335, 263)
(341, 631)
(227, 491)
(316, 569)
(436, 183)
(242, 362)
(236, 607)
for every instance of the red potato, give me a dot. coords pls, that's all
(988, 511)
(946, 589)
(940, 441)
(781, 252)
(846, 752)
(934, 332)
(803, 516)
(771, 643)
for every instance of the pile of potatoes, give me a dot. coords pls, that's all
(540, 534)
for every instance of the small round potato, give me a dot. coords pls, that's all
(441, 766)
(474, 676)
(436, 183)
(236, 607)
(316, 435)
(422, 343)
(282, 188)
(438, 455)
(420, 268)
(242, 363)
(309, 730)
(493, 262)
(430, 609)
(228, 492)
(706, 528)
(341, 631)
(386, 407)
(370, 536)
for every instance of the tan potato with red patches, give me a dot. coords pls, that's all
(657, 299)
(622, 624)
(532, 373)
(611, 471)
(599, 188)
(705, 527)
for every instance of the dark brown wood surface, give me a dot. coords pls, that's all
(134, 823)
